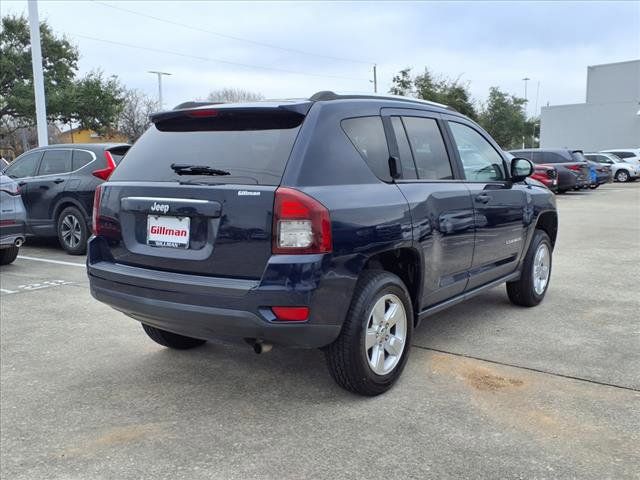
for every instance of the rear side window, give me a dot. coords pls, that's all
(367, 135)
(252, 148)
(24, 166)
(80, 159)
(428, 148)
(55, 161)
(404, 149)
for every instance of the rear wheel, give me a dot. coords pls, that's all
(73, 232)
(622, 176)
(171, 340)
(372, 349)
(532, 286)
(8, 255)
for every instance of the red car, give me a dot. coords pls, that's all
(546, 174)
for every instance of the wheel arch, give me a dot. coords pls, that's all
(548, 223)
(65, 202)
(405, 263)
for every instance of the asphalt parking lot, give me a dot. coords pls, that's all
(490, 390)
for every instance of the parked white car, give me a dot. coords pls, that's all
(621, 170)
(631, 155)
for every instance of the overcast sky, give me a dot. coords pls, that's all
(332, 46)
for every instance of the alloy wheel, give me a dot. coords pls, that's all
(386, 334)
(71, 231)
(541, 268)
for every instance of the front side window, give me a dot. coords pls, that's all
(367, 135)
(481, 162)
(428, 148)
(24, 166)
(55, 161)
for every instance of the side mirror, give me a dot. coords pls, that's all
(521, 168)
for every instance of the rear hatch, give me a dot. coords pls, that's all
(581, 167)
(195, 193)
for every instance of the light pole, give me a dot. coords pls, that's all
(38, 76)
(159, 74)
(525, 80)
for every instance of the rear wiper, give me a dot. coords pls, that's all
(184, 169)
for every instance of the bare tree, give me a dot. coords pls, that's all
(234, 95)
(134, 119)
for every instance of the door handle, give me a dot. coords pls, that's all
(483, 198)
(58, 180)
(22, 184)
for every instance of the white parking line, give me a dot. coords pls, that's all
(59, 262)
(4, 290)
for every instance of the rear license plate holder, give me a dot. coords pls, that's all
(167, 231)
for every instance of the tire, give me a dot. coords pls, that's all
(73, 231)
(171, 340)
(8, 255)
(526, 291)
(348, 359)
(622, 176)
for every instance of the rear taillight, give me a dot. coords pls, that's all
(105, 173)
(96, 210)
(575, 167)
(301, 224)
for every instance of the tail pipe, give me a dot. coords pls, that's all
(19, 241)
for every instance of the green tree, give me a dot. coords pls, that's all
(59, 62)
(503, 117)
(436, 89)
(402, 84)
(92, 102)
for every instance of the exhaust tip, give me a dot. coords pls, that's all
(261, 347)
(19, 241)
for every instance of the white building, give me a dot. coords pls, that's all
(610, 118)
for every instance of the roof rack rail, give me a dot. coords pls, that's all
(327, 95)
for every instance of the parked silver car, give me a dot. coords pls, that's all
(621, 170)
(12, 220)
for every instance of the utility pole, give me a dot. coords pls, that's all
(375, 79)
(535, 113)
(159, 74)
(525, 80)
(38, 75)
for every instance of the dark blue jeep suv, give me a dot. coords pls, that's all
(336, 221)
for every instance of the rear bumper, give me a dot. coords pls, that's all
(10, 234)
(211, 307)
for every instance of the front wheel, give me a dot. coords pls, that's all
(171, 340)
(372, 349)
(530, 289)
(73, 231)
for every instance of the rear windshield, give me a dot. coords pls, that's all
(251, 156)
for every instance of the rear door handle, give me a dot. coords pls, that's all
(22, 184)
(58, 180)
(483, 198)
